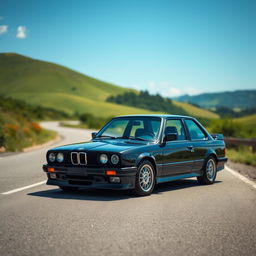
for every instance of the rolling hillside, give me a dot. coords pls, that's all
(193, 110)
(249, 120)
(51, 85)
(235, 99)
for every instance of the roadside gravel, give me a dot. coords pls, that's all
(246, 170)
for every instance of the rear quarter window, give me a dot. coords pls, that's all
(195, 131)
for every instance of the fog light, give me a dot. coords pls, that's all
(114, 179)
(53, 176)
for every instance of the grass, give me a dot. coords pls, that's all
(51, 85)
(73, 103)
(195, 111)
(35, 139)
(242, 155)
(38, 76)
(249, 120)
(17, 127)
(17, 137)
(244, 127)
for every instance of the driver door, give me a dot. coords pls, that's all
(176, 155)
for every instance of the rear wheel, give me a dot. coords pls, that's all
(68, 188)
(145, 179)
(209, 172)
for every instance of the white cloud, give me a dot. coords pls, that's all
(151, 85)
(3, 29)
(173, 92)
(191, 91)
(167, 89)
(21, 32)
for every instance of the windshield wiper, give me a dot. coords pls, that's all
(106, 136)
(131, 138)
(122, 137)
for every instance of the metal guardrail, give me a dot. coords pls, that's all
(240, 141)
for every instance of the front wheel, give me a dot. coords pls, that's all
(145, 179)
(209, 172)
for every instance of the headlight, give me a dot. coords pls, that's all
(51, 157)
(114, 159)
(60, 157)
(103, 158)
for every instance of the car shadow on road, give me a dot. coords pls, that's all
(178, 184)
(112, 195)
(83, 194)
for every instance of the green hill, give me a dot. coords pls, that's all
(240, 99)
(194, 110)
(249, 120)
(51, 85)
(54, 86)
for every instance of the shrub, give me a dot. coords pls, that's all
(17, 128)
(226, 126)
(85, 117)
(231, 128)
(147, 101)
(242, 154)
(11, 128)
(36, 127)
(92, 121)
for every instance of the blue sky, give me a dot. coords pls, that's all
(171, 47)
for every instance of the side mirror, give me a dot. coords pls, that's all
(170, 137)
(94, 134)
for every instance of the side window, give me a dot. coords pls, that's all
(195, 131)
(175, 126)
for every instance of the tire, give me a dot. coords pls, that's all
(68, 188)
(209, 172)
(145, 179)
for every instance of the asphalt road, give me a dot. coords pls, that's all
(179, 218)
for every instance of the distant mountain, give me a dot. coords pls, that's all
(234, 99)
(54, 86)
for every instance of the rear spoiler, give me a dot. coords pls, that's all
(218, 136)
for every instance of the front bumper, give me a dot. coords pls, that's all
(82, 177)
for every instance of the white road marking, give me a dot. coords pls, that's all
(23, 188)
(241, 177)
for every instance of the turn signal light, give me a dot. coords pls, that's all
(51, 170)
(110, 172)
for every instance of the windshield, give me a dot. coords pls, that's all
(140, 128)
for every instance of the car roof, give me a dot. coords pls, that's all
(156, 115)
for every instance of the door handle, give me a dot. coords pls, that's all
(191, 148)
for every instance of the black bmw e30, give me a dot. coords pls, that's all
(136, 152)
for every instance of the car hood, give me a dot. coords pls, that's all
(108, 145)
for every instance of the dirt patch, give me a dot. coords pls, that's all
(244, 169)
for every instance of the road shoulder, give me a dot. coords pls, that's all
(246, 170)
